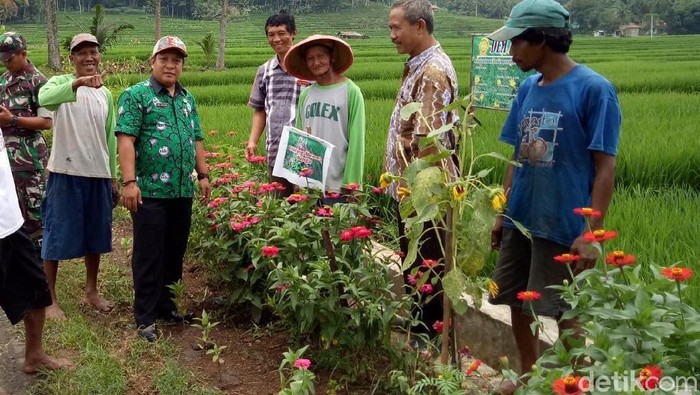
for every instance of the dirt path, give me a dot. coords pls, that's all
(12, 379)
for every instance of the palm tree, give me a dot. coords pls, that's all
(106, 35)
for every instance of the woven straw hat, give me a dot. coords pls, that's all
(295, 61)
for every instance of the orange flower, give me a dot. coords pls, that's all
(587, 212)
(570, 385)
(498, 202)
(473, 367)
(619, 259)
(679, 274)
(649, 377)
(599, 235)
(566, 258)
(529, 296)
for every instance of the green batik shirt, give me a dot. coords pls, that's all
(18, 93)
(166, 129)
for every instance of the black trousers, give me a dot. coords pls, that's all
(161, 230)
(428, 248)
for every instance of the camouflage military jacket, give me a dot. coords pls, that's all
(166, 130)
(19, 94)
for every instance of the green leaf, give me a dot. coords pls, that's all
(442, 129)
(409, 109)
(454, 283)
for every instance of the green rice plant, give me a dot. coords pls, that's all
(659, 229)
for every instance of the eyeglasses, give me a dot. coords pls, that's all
(9, 59)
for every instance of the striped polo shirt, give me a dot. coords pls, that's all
(277, 93)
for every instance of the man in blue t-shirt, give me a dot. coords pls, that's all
(564, 125)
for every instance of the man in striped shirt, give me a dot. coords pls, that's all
(274, 94)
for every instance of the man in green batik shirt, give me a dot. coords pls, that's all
(22, 120)
(160, 144)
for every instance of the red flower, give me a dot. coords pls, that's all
(281, 287)
(473, 367)
(257, 159)
(529, 296)
(361, 232)
(587, 212)
(437, 325)
(649, 377)
(347, 235)
(270, 251)
(679, 274)
(305, 172)
(570, 385)
(599, 235)
(426, 289)
(353, 186)
(566, 258)
(429, 263)
(377, 190)
(619, 259)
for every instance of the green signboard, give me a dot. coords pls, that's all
(494, 77)
(298, 151)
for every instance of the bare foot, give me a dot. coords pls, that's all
(33, 365)
(55, 313)
(99, 303)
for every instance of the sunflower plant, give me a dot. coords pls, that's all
(464, 205)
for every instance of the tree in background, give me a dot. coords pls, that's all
(107, 35)
(156, 11)
(52, 35)
(208, 46)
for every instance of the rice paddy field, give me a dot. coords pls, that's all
(656, 204)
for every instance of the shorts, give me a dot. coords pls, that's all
(23, 284)
(30, 191)
(529, 265)
(77, 215)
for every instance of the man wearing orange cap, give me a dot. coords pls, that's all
(333, 108)
(80, 192)
(160, 144)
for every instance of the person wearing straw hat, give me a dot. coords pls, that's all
(333, 108)
(81, 189)
(564, 125)
(160, 145)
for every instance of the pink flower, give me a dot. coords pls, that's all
(296, 198)
(412, 279)
(302, 363)
(437, 325)
(377, 190)
(306, 172)
(270, 251)
(426, 289)
(224, 165)
(254, 220)
(281, 287)
(324, 211)
(352, 186)
(257, 159)
(332, 195)
(238, 226)
(216, 202)
(259, 203)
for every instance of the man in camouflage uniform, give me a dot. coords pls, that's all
(22, 120)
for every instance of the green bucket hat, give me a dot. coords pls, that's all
(10, 44)
(532, 13)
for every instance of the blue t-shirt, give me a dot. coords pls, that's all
(554, 130)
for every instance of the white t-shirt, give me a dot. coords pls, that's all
(79, 140)
(10, 214)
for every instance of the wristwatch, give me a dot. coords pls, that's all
(13, 123)
(201, 176)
